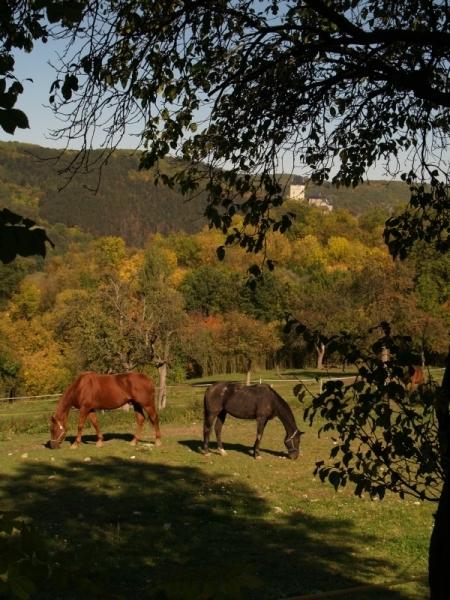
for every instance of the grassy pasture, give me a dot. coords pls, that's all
(145, 519)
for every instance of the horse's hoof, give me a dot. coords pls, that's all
(258, 457)
(133, 442)
(73, 446)
(206, 453)
(222, 452)
(99, 444)
(158, 442)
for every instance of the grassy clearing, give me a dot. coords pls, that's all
(146, 518)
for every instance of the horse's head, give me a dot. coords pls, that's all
(57, 433)
(292, 443)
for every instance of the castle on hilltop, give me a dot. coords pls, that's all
(297, 191)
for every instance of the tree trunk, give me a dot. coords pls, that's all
(320, 350)
(248, 379)
(162, 395)
(439, 552)
(162, 366)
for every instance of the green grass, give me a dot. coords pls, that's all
(147, 518)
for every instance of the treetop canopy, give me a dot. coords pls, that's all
(239, 88)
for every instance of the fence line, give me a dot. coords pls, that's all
(193, 387)
(201, 385)
(24, 414)
(10, 398)
(325, 379)
(168, 387)
(299, 380)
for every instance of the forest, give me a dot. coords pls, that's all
(119, 199)
(160, 300)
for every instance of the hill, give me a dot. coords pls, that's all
(379, 193)
(122, 200)
(119, 200)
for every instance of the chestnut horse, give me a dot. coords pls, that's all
(91, 392)
(414, 377)
(259, 402)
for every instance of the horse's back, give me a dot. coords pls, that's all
(239, 400)
(100, 390)
(417, 377)
(414, 376)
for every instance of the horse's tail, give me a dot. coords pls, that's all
(206, 396)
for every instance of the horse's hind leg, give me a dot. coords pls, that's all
(93, 420)
(208, 421)
(218, 429)
(154, 420)
(140, 420)
(260, 425)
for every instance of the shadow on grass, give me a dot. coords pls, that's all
(158, 531)
(316, 374)
(197, 446)
(107, 437)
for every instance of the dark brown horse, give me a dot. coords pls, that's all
(258, 402)
(91, 391)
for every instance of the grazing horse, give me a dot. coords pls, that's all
(91, 391)
(414, 377)
(258, 402)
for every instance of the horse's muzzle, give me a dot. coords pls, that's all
(293, 455)
(52, 445)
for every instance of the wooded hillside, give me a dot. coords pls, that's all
(127, 203)
(119, 200)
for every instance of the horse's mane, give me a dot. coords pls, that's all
(65, 401)
(284, 410)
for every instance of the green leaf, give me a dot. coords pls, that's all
(20, 236)
(21, 586)
(298, 389)
(12, 118)
(255, 270)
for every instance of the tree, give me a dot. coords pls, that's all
(211, 290)
(163, 307)
(9, 366)
(325, 307)
(23, 22)
(387, 437)
(245, 338)
(200, 337)
(341, 85)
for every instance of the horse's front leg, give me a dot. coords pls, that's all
(93, 420)
(218, 429)
(260, 425)
(140, 420)
(84, 413)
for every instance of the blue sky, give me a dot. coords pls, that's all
(34, 102)
(34, 66)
